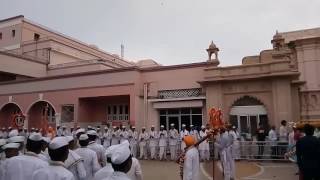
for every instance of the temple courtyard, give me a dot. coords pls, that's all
(246, 170)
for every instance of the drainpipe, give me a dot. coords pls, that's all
(145, 103)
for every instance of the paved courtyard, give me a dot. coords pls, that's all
(165, 170)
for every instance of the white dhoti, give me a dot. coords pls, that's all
(152, 152)
(143, 152)
(236, 150)
(162, 154)
(173, 152)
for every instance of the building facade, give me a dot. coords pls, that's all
(50, 78)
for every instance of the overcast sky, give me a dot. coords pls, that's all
(171, 31)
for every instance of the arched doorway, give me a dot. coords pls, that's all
(41, 114)
(247, 113)
(7, 114)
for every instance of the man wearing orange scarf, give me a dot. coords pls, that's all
(191, 164)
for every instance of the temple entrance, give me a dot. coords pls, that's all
(247, 113)
(41, 115)
(8, 113)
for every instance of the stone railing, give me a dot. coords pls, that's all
(276, 67)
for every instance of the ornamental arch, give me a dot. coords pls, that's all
(247, 112)
(7, 114)
(41, 114)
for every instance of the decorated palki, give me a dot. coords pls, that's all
(215, 123)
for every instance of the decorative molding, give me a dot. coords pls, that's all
(310, 101)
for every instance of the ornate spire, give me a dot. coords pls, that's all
(213, 49)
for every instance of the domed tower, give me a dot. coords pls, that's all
(213, 49)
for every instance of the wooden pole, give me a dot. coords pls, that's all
(213, 157)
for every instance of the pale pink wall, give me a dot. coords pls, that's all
(13, 65)
(7, 40)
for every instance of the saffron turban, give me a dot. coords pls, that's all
(189, 140)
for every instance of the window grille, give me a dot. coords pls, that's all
(179, 93)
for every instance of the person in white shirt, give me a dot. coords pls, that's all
(191, 165)
(74, 162)
(153, 142)
(99, 136)
(20, 140)
(59, 131)
(283, 138)
(194, 132)
(22, 167)
(183, 132)
(204, 146)
(44, 149)
(65, 131)
(143, 138)
(98, 148)
(58, 152)
(133, 140)
(115, 136)
(10, 149)
(123, 134)
(107, 136)
(236, 144)
(107, 170)
(89, 156)
(163, 136)
(135, 172)
(173, 140)
(121, 162)
(272, 136)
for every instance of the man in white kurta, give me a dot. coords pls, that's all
(204, 146)
(121, 161)
(183, 132)
(135, 172)
(107, 136)
(194, 132)
(123, 134)
(90, 158)
(107, 170)
(163, 136)
(133, 140)
(153, 142)
(22, 167)
(173, 140)
(58, 151)
(236, 144)
(74, 162)
(115, 136)
(98, 148)
(143, 138)
(191, 166)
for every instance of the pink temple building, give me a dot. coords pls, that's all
(50, 78)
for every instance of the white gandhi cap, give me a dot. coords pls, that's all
(16, 139)
(92, 132)
(121, 153)
(81, 130)
(58, 142)
(83, 137)
(109, 151)
(11, 146)
(35, 137)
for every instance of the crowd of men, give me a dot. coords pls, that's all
(95, 154)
